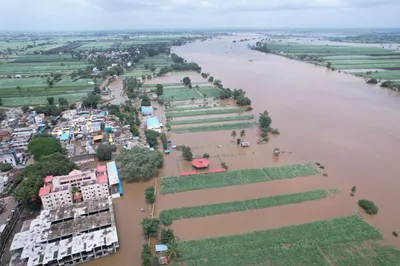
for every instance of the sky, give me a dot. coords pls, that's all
(50, 15)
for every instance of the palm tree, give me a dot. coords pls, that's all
(22, 194)
(242, 133)
(233, 135)
(174, 251)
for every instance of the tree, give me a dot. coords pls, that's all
(19, 89)
(25, 108)
(139, 163)
(242, 101)
(50, 100)
(53, 122)
(144, 77)
(186, 81)
(104, 152)
(146, 66)
(160, 89)
(135, 132)
(368, 206)
(150, 226)
(1, 102)
(153, 68)
(264, 120)
(151, 137)
(187, 153)
(174, 251)
(372, 81)
(149, 195)
(91, 101)
(328, 65)
(242, 133)
(233, 135)
(50, 82)
(43, 146)
(167, 235)
(63, 102)
(211, 79)
(145, 101)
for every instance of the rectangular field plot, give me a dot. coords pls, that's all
(241, 206)
(181, 94)
(176, 184)
(40, 99)
(304, 244)
(211, 120)
(215, 111)
(217, 127)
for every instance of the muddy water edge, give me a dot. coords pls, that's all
(349, 126)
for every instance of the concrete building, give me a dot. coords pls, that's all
(39, 118)
(67, 236)
(57, 190)
(153, 123)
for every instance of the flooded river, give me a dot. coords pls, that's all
(339, 120)
(330, 117)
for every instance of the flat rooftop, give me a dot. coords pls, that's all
(55, 234)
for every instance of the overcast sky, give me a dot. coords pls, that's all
(170, 14)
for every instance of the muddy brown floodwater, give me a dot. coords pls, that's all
(349, 126)
(330, 117)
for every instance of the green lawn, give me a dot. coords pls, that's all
(341, 241)
(215, 111)
(241, 206)
(176, 184)
(212, 120)
(218, 127)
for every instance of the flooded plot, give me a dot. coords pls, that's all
(316, 243)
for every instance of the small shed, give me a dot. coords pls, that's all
(200, 163)
(161, 248)
(147, 110)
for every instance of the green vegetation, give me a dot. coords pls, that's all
(43, 145)
(205, 112)
(368, 206)
(240, 206)
(167, 235)
(212, 127)
(213, 180)
(332, 242)
(186, 108)
(212, 120)
(104, 152)
(139, 164)
(185, 93)
(146, 255)
(187, 153)
(5, 167)
(150, 226)
(149, 195)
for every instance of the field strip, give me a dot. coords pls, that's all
(241, 206)
(181, 109)
(211, 120)
(293, 245)
(205, 112)
(176, 184)
(217, 127)
(247, 192)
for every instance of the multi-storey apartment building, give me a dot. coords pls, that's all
(59, 191)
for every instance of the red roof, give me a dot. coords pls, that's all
(45, 190)
(102, 179)
(200, 163)
(219, 170)
(101, 168)
(48, 179)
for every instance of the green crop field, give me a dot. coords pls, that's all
(388, 75)
(241, 206)
(42, 99)
(215, 111)
(182, 109)
(30, 69)
(317, 243)
(182, 94)
(176, 184)
(212, 120)
(216, 127)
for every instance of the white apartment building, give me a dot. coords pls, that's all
(57, 190)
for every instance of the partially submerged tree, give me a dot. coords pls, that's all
(160, 89)
(174, 250)
(186, 81)
(150, 226)
(233, 135)
(187, 153)
(139, 164)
